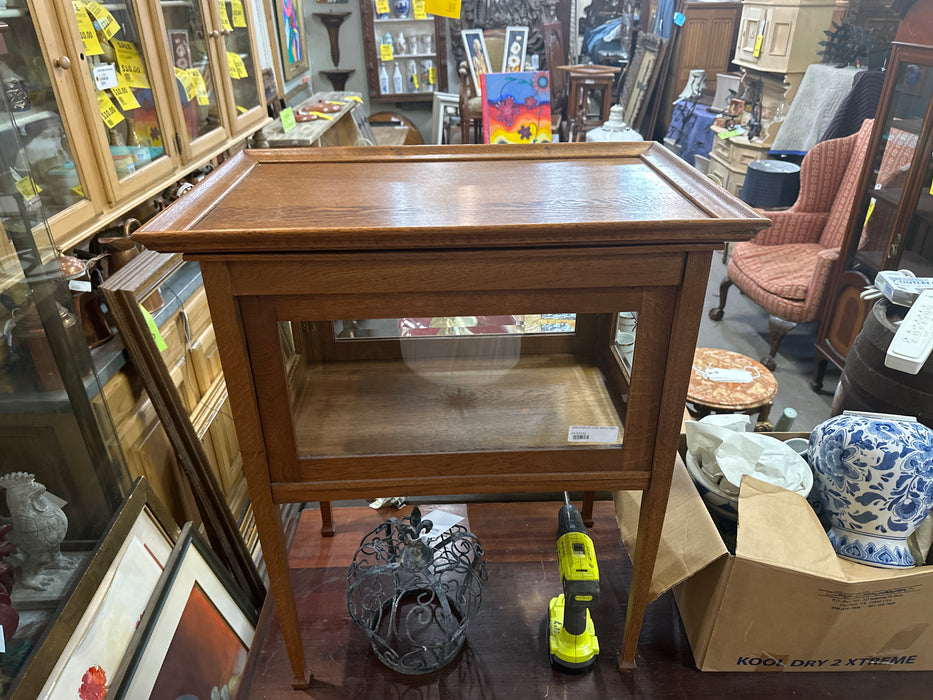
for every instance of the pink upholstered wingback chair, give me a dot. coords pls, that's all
(786, 268)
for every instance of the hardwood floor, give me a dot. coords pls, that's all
(506, 651)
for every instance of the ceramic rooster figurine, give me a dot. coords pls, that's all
(39, 526)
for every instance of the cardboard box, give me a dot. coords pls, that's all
(784, 601)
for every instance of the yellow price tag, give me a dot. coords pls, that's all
(444, 8)
(328, 117)
(432, 75)
(106, 23)
(758, 39)
(124, 94)
(418, 7)
(86, 29)
(200, 87)
(414, 80)
(108, 110)
(355, 98)
(187, 82)
(153, 329)
(131, 63)
(382, 7)
(239, 14)
(385, 52)
(241, 110)
(26, 187)
(235, 64)
(78, 191)
(224, 17)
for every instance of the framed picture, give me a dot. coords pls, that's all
(477, 56)
(94, 632)
(513, 52)
(445, 104)
(196, 633)
(640, 78)
(292, 40)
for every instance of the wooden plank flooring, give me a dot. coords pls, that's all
(506, 651)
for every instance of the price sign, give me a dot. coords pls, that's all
(444, 8)
(382, 7)
(153, 329)
(105, 76)
(355, 98)
(86, 29)
(131, 63)
(418, 7)
(224, 17)
(78, 191)
(108, 110)
(26, 187)
(414, 80)
(200, 87)
(236, 66)
(757, 51)
(385, 52)
(124, 94)
(288, 119)
(106, 23)
(187, 82)
(239, 14)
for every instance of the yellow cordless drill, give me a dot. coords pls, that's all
(573, 644)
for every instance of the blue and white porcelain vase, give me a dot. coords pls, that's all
(873, 478)
(402, 8)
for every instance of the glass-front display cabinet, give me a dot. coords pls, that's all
(62, 474)
(406, 50)
(893, 227)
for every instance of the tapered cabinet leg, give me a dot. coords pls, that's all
(587, 510)
(327, 520)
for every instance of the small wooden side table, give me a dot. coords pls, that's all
(708, 396)
(581, 81)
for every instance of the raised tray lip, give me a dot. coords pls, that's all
(727, 218)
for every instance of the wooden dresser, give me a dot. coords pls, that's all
(452, 250)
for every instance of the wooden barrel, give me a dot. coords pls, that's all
(867, 385)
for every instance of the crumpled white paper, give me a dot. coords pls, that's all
(726, 452)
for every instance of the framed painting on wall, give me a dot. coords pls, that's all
(196, 633)
(292, 41)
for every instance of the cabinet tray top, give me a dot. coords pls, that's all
(547, 195)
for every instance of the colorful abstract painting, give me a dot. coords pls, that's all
(516, 107)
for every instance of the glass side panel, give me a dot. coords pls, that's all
(56, 436)
(423, 385)
(241, 63)
(32, 112)
(117, 60)
(891, 165)
(917, 255)
(194, 76)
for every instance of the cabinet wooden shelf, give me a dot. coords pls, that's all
(588, 229)
(892, 226)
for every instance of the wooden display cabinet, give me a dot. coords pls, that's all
(893, 228)
(377, 25)
(458, 383)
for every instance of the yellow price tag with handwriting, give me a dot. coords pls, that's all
(187, 83)
(86, 29)
(239, 14)
(124, 94)
(131, 63)
(200, 87)
(414, 80)
(224, 17)
(444, 8)
(385, 52)
(418, 7)
(432, 75)
(236, 66)
(26, 187)
(108, 110)
(382, 7)
(78, 191)
(758, 39)
(106, 23)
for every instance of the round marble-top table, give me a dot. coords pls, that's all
(709, 396)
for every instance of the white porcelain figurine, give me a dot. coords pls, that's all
(39, 526)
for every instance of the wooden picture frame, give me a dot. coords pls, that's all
(514, 49)
(443, 102)
(196, 631)
(640, 77)
(293, 48)
(86, 643)
(477, 55)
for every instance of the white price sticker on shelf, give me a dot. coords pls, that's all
(105, 76)
(593, 433)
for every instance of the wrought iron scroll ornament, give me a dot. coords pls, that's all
(414, 598)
